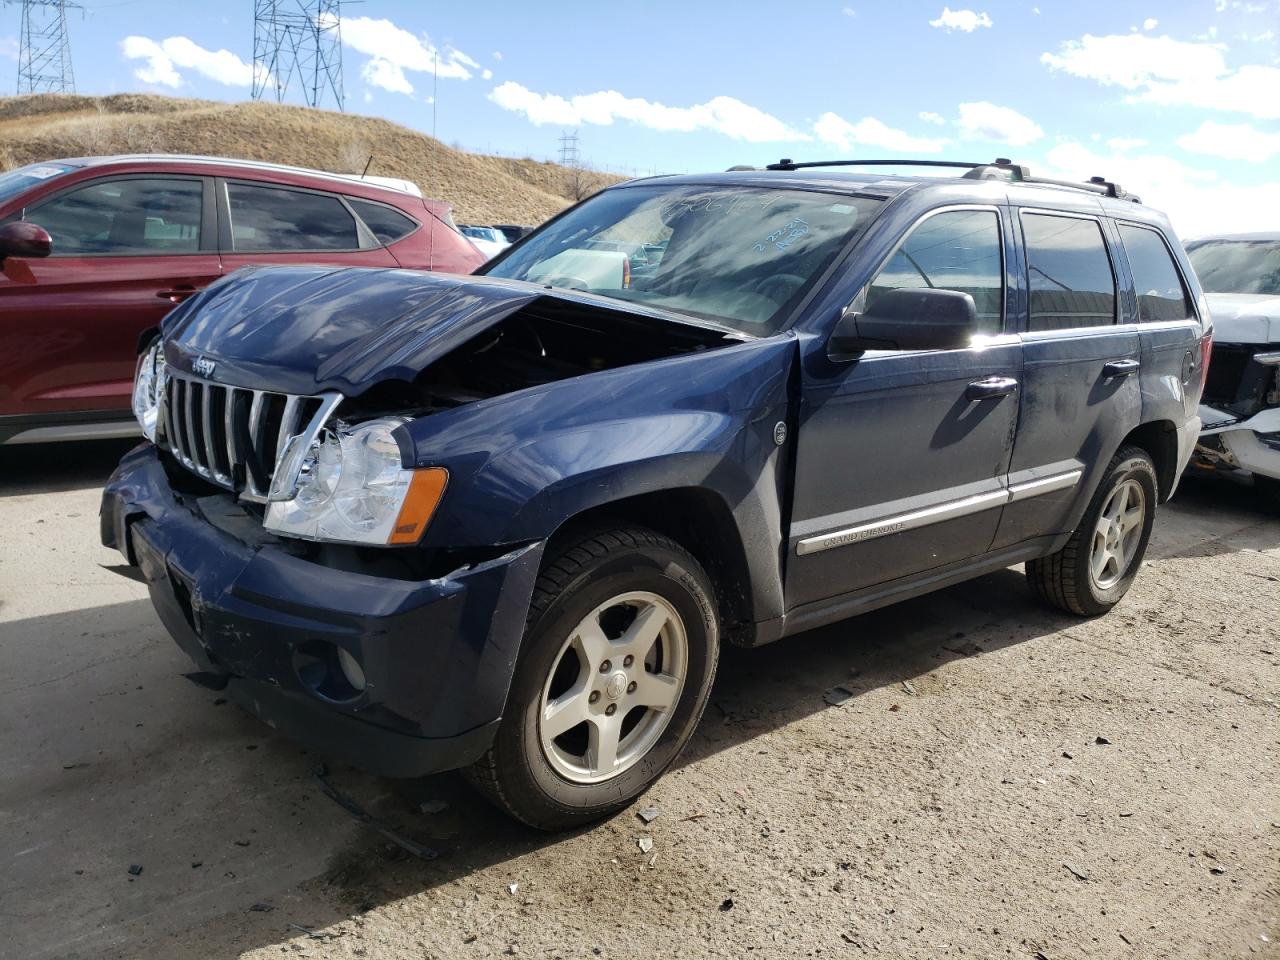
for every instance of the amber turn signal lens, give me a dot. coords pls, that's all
(425, 490)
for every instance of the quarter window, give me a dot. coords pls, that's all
(1156, 280)
(955, 250)
(268, 219)
(123, 218)
(386, 224)
(1070, 277)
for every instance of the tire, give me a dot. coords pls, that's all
(1071, 579)
(624, 581)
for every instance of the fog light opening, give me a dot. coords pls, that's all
(329, 672)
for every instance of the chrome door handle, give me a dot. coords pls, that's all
(990, 388)
(1120, 368)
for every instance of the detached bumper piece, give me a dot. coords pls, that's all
(399, 677)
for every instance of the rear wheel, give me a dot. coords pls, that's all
(619, 653)
(1097, 566)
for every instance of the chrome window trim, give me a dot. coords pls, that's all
(950, 510)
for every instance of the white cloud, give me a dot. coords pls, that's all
(486, 74)
(928, 116)
(1266, 36)
(1198, 202)
(849, 11)
(1171, 72)
(870, 132)
(9, 47)
(966, 20)
(164, 58)
(724, 115)
(396, 52)
(1232, 141)
(386, 76)
(1126, 143)
(986, 121)
(1150, 23)
(497, 54)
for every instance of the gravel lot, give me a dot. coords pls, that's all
(1003, 782)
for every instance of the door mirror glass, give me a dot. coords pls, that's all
(908, 319)
(24, 239)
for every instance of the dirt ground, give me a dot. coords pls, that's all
(1004, 782)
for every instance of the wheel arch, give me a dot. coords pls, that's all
(699, 520)
(1159, 438)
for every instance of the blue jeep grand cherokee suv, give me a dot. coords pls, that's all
(504, 522)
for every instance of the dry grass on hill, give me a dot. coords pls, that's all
(482, 189)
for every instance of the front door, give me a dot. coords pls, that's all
(125, 250)
(902, 455)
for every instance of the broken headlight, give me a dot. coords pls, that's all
(349, 486)
(148, 388)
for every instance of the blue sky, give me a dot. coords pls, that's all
(1178, 102)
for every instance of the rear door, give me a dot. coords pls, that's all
(1081, 376)
(902, 455)
(125, 250)
(264, 223)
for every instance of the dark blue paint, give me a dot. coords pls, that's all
(878, 430)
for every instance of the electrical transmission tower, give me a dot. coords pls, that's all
(298, 41)
(569, 156)
(44, 54)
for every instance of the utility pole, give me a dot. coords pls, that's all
(44, 54)
(298, 41)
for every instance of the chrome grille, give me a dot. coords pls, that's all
(234, 436)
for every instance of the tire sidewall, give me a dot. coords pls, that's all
(1136, 467)
(648, 567)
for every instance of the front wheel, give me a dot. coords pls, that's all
(619, 653)
(1097, 566)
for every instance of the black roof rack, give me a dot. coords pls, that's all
(999, 169)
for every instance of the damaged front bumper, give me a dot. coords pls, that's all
(267, 624)
(1231, 443)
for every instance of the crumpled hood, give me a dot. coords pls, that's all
(1244, 317)
(307, 329)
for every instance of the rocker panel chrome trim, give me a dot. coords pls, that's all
(943, 511)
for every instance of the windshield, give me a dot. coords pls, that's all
(15, 181)
(741, 257)
(1237, 266)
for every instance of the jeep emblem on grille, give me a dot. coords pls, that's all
(203, 366)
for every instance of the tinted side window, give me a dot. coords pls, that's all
(1155, 278)
(386, 224)
(123, 217)
(267, 219)
(956, 250)
(1071, 282)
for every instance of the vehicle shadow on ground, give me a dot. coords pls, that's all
(27, 469)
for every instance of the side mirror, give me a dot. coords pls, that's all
(909, 319)
(23, 239)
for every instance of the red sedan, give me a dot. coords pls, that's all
(95, 251)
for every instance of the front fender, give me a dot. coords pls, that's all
(523, 464)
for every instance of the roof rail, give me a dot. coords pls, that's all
(999, 169)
